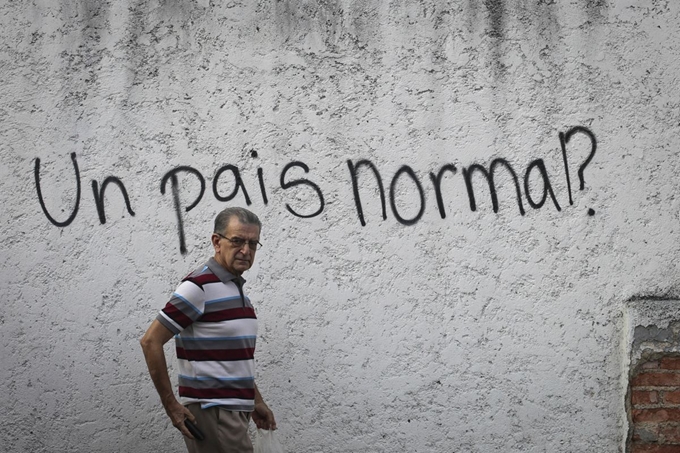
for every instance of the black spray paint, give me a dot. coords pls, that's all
(99, 196)
(97, 192)
(36, 173)
(472, 176)
(172, 176)
(564, 139)
(301, 182)
(489, 175)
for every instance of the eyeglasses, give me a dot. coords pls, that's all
(240, 242)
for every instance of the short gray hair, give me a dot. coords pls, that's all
(242, 214)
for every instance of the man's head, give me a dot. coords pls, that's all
(235, 239)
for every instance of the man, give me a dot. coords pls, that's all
(215, 329)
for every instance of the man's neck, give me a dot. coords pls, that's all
(231, 271)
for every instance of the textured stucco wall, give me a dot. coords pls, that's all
(437, 329)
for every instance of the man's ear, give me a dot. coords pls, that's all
(215, 239)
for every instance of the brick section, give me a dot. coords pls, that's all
(655, 406)
(644, 397)
(656, 415)
(671, 397)
(670, 433)
(670, 363)
(652, 448)
(656, 379)
(646, 433)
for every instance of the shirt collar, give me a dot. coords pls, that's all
(224, 275)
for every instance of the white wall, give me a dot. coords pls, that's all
(481, 331)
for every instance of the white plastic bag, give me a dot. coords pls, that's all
(266, 442)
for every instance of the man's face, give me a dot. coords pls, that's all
(234, 258)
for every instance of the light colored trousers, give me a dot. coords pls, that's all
(224, 431)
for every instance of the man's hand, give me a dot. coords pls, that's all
(263, 417)
(152, 344)
(177, 413)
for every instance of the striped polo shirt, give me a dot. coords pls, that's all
(215, 330)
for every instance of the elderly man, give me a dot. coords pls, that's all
(215, 329)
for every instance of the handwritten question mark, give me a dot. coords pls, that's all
(564, 139)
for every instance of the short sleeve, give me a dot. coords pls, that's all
(186, 305)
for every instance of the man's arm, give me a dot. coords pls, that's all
(152, 344)
(262, 415)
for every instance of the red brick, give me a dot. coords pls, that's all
(670, 433)
(670, 363)
(671, 397)
(650, 365)
(644, 397)
(653, 448)
(656, 415)
(656, 379)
